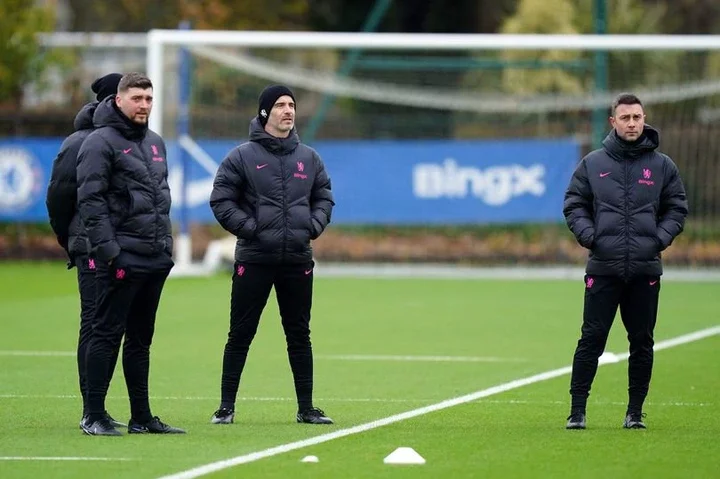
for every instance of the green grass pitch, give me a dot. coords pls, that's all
(504, 330)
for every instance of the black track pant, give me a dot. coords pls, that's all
(638, 302)
(128, 297)
(87, 287)
(251, 285)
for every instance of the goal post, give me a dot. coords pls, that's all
(551, 101)
(159, 38)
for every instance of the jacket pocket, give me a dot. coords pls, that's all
(134, 202)
(141, 202)
(249, 229)
(315, 228)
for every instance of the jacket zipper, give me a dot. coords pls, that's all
(627, 220)
(151, 176)
(284, 203)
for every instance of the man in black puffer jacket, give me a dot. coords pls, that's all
(61, 204)
(274, 195)
(124, 203)
(626, 203)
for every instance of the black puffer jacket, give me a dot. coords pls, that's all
(274, 195)
(61, 198)
(123, 194)
(626, 203)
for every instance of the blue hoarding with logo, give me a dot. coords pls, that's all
(374, 182)
(24, 173)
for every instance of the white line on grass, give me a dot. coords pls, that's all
(38, 353)
(518, 383)
(601, 403)
(388, 357)
(215, 398)
(335, 357)
(61, 458)
(375, 400)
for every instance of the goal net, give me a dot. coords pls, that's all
(375, 94)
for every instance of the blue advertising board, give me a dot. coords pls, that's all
(446, 182)
(374, 182)
(25, 166)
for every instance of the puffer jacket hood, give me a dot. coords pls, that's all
(275, 145)
(108, 114)
(621, 149)
(84, 118)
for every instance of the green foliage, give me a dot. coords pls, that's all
(542, 16)
(629, 69)
(23, 60)
(216, 85)
(244, 15)
(632, 70)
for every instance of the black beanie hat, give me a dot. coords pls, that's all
(106, 86)
(267, 99)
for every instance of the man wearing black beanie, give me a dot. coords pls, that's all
(274, 195)
(124, 201)
(62, 209)
(105, 86)
(267, 100)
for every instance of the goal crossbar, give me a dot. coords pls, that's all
(158, 38)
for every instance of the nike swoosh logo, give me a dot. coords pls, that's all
(308, 272)
(260, 167)
(603, 175)
(652, 283)
(127, 151)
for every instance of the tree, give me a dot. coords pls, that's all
(23, 61)
(572, 17)
(541, 16)
(123, 15)
(691, 16)
(244, 14)
(223, 90)
(643, 69)
(137, 16)
(431, 16)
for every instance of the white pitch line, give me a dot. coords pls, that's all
(39, 396)
(601, 403)
(217, 398)
(389, 357)
(61, 458)
(501, 388)
(376, 400)
(336, 357)
(38, 353)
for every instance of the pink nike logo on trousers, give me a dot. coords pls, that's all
(603, 175)
(259, 167)
(127, 151)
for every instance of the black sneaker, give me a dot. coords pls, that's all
(223, 416)
(634, 420)
(576, 420)
(154, 426)
(114, 422)
(103, 427)
(109, 418)
(313, 415)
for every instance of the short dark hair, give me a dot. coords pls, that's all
(134, 80)
(625, 99)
